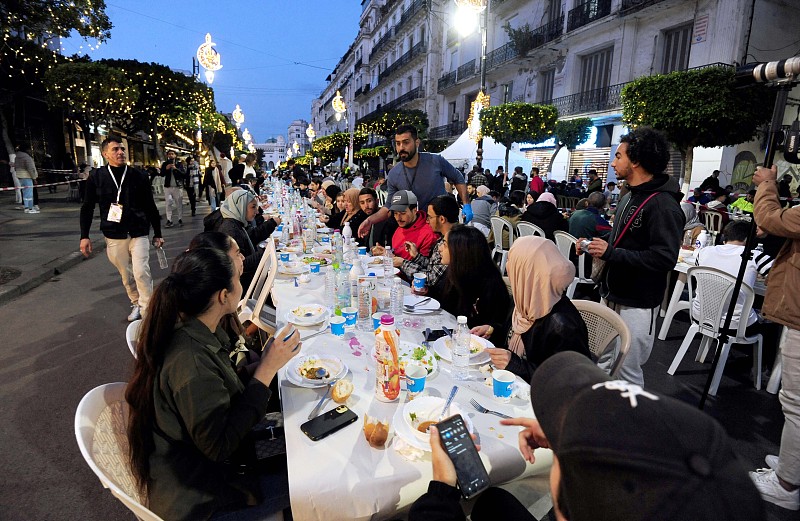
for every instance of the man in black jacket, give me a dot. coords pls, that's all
(127, 210)
(173, 188)
(644, 242)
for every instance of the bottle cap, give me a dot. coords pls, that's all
(462, 319)
(387, 320)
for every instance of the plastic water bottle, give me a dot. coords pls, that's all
(356, 271)
(338, 250)
(162, 258)
(461, 349)
(687, 239)
(388, 264)
(387, 370)
(364, 306)
(347, 233)
(396, 298)
(342, 290)
(330, 289)
(701, 240)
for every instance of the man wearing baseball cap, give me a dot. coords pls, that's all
(619, 453)
(411, 226)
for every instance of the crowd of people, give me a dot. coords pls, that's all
(194, 403)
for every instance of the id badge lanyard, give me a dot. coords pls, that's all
(115, 211)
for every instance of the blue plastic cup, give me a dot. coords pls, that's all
(284, 257)
(362, 250)
(376, 320)
(420, 279)
(503, 384)
(415, 378)
(337, 325)
(325, 238)
(350, 315)
(314, 267)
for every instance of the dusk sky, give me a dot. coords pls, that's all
(275, 55)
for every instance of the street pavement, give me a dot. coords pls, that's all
(63, 333)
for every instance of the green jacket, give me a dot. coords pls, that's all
(203, 412)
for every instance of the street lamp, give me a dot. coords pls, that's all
(238, 116)
(247, 136)
(209, 58)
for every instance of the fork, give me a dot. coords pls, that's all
(481, 409)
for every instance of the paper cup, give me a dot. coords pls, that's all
(415, 378)
(503, 384)
(337, 325)
(314, 267)
(284, 257)
(362, 250)
(376, 320)
(350, 315)
(420, 279)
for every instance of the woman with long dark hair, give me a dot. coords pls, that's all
(473, 286)
(189, 411)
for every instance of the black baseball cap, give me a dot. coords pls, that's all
(402, 199)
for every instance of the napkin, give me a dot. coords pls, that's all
(408, 451)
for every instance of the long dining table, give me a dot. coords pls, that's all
(341, 476)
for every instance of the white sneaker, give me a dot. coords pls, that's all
(35, 210)
(766, 481)
(772, 461)
(36, 207)
(136, 313)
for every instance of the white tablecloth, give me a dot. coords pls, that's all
(341, 476)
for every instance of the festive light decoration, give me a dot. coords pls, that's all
(247, 136)
(296, 147)
(238, 116)
(310, 133)
(288, 153)
(481, 101)
(209, 58)
(474, 5)
(339, 106)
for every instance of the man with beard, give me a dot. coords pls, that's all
(380, 234)
(422, 173)
(412, 227)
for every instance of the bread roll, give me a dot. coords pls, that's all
(341, 391)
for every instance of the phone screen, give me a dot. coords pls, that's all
(471, 474)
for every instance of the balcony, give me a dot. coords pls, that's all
(548, 32)
(448, 80)
(415, 7)
(386, 38)
(631, 6)
(587, 12)
(466, 71)
(500, 56)
(456, 128)
(361, 91)
(417, 50)
(597, 100)
(411, 95)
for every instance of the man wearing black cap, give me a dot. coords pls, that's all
(619, 453)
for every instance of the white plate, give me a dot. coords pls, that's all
(441, 348)
(371, 262)
(308, 313)
(378, 271)
(429, 307)
(405, 352)
(292, 249)
(290, 317)
(293, 268)
(324, 229)
(323, 250)
(334, 365)
(402, 426)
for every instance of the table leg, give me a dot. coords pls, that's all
(674, 305)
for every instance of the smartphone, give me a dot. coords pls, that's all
(435, 335)
(456, 440)
(328, 423)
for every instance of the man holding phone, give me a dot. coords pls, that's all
(619, 452)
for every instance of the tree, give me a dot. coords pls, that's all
(518, 122)
(56, 18)
(569, 134)
(385, 123)
(332, 147)
(97, 92)
(697, 108)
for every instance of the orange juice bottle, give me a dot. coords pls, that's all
(387, 372)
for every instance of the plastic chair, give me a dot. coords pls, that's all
(132, 335)
(565, 243)
(498, 225)
(605, 325)
(712, 221)
(254, 301)
(100, 429)
(713, 289)
(525, 228)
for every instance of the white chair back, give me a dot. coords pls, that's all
(132, 335)
(712, 220)
(526, 228)
(564, 242)
(498, 225)
(261, 284)
(604, 326)
(101, 432)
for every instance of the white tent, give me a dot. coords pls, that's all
(463, 151)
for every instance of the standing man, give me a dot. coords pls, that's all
(127, 210)
(419, 172)
(173, 188)
(644, 242)
(595, 183)
(519, 180)
(192, 182)
(711, 182)
(780, 484)
(537, 184)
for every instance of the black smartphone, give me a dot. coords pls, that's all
(328, 423)
(435, 335)
(456, 440)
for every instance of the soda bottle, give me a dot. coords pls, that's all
(387, 371)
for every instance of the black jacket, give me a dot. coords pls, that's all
(139, 211)
(636, 269)
(247, 239)
(547, 217)
(173, 177)
(563, 329)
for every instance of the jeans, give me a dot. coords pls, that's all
(27, 192)
(131, 257)
(789, 464)
(174, 196)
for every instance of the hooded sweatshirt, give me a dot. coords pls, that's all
(546, 216)
(635, 272)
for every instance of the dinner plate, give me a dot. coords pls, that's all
(406, 354)
(371, 262)
(442, 348)
(292, 249)
(403, 427)
(333, 364)
(293, 268)
(430, 306)
(322, 259)
(323, 250)
(378, 270)
(324, 229)
(303, 321)
(308, 312)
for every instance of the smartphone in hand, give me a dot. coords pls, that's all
(457, 442)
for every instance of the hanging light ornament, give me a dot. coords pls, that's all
(467, 15)
(209, 58)
(247, 136)
(310, 133)
(238, 116)
(481, 102)
(296, 147)
(339, 106)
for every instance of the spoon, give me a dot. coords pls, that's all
(446, 408)
(412, 306)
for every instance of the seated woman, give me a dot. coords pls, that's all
(692, 221)
(472, 285)
(189, 411)
(544, 320)
(337, 210)
(353, 213)
(544, 214)
(238, 210)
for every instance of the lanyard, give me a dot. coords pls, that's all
(405, 174)
(118, 185)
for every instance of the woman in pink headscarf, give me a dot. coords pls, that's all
(544, 321)
(544, 214)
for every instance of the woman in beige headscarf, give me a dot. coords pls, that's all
(544, 321)
(352, 212)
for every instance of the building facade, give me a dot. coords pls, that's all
(274, 151)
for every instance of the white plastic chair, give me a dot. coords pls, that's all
(605, 325)
(498, 225)
(253, 306)
(526, 228)
(132, 335)
(713, 289)
(712, 220)
(565, 243)
(100, 429)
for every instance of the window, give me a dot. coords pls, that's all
(596, 70)
(677, 43)
(545, 85)
(554, 10)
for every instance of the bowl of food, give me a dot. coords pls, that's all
(293, 267)
(318, 369)
(308, 312)
(420, 413)
(322, 250)
(323, 261)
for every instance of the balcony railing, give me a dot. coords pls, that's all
(587, 12)
(548, 32)
(361, 91)
(382, 41)
(466, 71)
(500, 56)
(597, 100)
(455, 128)
(417, 50)
(408, 14)
(631, 6)
(448, 80)
(411, 95)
